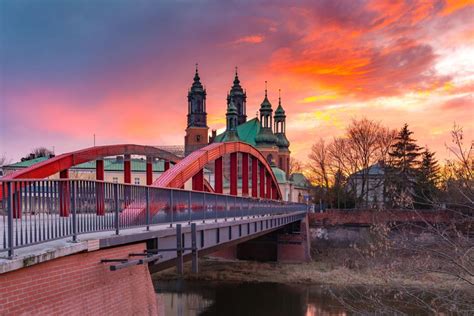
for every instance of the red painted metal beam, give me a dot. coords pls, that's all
(197, 160)
(198, 181)
(268, 190)
(254, 177)
(245, 174)
(233, 173)
(127, 169)
(262, 181)
(167, 164)
(149, 170)
(99, 189)
(274, 192)
(99, 170)
(218, 175)
(64, 198)
(54, 165)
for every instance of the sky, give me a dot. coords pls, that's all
(121, 69)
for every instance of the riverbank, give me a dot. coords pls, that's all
(338, 269)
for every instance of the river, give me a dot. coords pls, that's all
(187, 298)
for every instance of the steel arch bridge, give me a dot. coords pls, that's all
(263, 181)
(38, 210)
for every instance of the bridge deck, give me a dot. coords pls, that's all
(211, 233)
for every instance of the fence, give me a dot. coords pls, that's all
(37, 211)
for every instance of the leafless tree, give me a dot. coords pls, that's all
(319, 163)
(296, 166)
(39, 152)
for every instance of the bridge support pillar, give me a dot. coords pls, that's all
(64, 198)
(254, 177)
(149, 170)
(233, 174)
(198, 181)
(99, 175)
(294, 246)
(262, 180)
(218, 175)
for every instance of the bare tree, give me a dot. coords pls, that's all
(39, 152)
(319, 163)
(296, 166)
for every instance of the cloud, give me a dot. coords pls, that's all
(250, 39)
(464, 103)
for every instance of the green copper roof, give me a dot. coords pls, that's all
(282, 141)
(110, 164)
(279, 111)
(280, 175)
(247, 132)
(300, 181)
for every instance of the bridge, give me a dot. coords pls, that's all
(74, 227)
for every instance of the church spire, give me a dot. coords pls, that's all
(239, 97)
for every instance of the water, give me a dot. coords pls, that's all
(189, 298)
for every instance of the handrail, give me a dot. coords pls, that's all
(40, 210)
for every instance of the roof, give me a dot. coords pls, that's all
(280, 175)
(374, 170)
(299, 180)
(110, 164)
(247, 132)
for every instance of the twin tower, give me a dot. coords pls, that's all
(268, 133)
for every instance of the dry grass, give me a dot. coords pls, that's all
(328, 272)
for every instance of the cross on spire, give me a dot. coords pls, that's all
(265, 88)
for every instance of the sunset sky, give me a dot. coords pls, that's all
(121, 69)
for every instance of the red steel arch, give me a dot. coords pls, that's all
(197, 160)
(65, 161)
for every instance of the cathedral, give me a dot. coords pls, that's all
(267, 133)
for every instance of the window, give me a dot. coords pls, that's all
(198, 138)
(137, 181)
(115, 180)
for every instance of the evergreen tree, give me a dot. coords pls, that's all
(402, 170)
(427, 180)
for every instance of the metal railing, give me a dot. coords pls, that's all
(37, 211)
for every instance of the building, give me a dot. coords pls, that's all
(369, 185)
(267, 133)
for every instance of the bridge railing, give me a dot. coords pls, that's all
(37, 211)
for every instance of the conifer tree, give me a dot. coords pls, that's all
(427, 180)
(402, 170)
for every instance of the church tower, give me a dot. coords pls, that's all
(265, 139)
(282, 142)
(231, 134)
(197, 129)
(238, 95)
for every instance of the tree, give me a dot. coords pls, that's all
(426, 190)
(39, 152)
(319, 164)
(295, 166)
(402, 171)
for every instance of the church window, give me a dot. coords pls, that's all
(198, 138)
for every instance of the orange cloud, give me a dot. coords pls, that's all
(251, 39)
(455, 5)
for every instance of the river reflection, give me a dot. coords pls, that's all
(189, 298)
